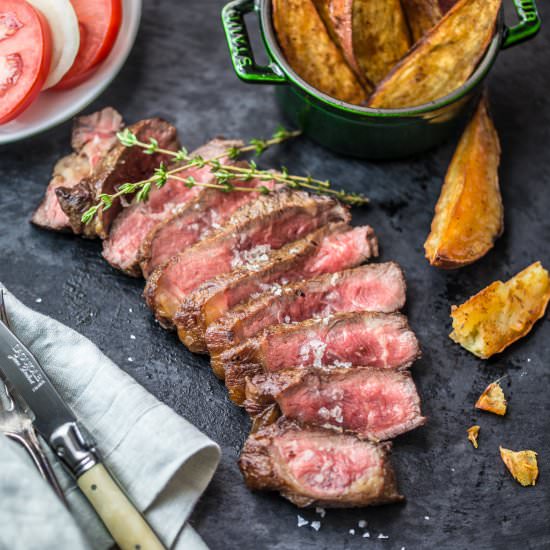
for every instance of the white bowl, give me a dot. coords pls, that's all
(52, 108)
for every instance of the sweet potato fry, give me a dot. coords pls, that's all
(308, 48)
(469, 213)
(373, 35)
(502, 313)
(441, 61)
(522, 465)
(421, 15)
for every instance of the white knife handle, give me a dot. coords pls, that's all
(126, 525)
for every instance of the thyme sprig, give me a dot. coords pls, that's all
(225, 175)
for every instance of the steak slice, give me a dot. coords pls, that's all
(382, 340)
(375, 287)
(191, 223)
(121, 165)
(267, 223)
(314, 466)
(132, 225)
(329, 249)
(375, 404)
(92, 138)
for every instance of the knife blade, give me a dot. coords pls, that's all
(55, 421)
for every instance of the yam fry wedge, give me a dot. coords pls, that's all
(441, 61)
(373, 35)
(502, 313)
(309, 50)
(422, 15)
(469, 213)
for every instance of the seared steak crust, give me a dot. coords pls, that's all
(130, 229)
(373, 287)
(313, 466)
(377, 404)
(92, 138)
(346, 339)
(295, 261)
(267, 223)
(121, 165)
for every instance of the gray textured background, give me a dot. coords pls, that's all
(180, 70)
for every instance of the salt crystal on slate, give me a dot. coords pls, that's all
(362, 523)
(302, 521)
(381, 536)
(352, 531)
(316, 525)
(321, 511)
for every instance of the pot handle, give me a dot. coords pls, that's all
(528, 26)
(241, 49)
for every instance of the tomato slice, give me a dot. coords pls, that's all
(25, 56)
(99, 22)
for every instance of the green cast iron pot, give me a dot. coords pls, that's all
(362, 131)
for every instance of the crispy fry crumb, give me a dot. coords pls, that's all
(522, 465)
(473, 434)
(492, 400)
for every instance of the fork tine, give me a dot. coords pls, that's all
(3, 313)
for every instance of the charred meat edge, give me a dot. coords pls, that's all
(121, 165)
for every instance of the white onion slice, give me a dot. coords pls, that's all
(63, 23)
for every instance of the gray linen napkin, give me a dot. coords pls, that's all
(163, 462)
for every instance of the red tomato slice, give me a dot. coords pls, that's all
(99, 22)
(25, 56)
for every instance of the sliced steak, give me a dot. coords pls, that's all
(382, 340)
(121, 165)
(376, 404)
(313, 466)
(329, 249)
(196, 220)
(375, 287)
(132, 225)
(267, 223)
(93, 137)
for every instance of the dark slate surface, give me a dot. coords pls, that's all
(458, 498)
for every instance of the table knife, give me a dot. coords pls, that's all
(54, 420)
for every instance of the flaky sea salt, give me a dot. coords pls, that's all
(130, 310)
(132, 336)
(366, 535)
(316, 525)
(321, 511)
(362, 523)
(130, 360)
(302, 521)
(38, 300)
(382, 536)
(352, 531)
(426, 517)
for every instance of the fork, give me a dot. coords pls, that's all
(17, 424)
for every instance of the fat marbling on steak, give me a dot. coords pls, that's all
(132, 226)
(373, 287)
(194, 221)
(316, 466)
(327, 250)
(369, 339)
(121, 165)
(265, 224)
(92, 138)
(376, 404)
